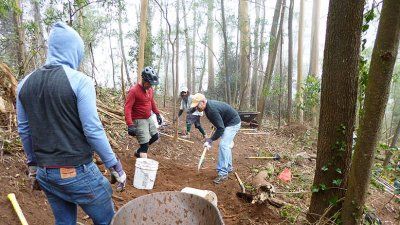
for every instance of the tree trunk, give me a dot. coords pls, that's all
(112, 60)
(393, 144)
(273, 46)
(338, 104)
(203, 70)
(280, 74)
(210, 43)
(260, 59)
(161, 51)
(80, 18)
(187, 48)
(244, 24)
(193, 84)
(20, 38)
(290, 63)
(121, 42)
(227, 76)
(376, 96)
(143, 34)
(393, 107)
(166, 75)
(299, 86)
(40, 45)
(92, 63)
(123, 80)
(313, 70)
(254, 77)
(237, 65)
(176, 72)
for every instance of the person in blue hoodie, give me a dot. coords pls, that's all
(60, 128)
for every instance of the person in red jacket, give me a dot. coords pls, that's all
(138, 107)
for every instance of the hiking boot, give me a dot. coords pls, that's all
(220, 179)
(138, 155)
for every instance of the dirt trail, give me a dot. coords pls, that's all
(178, 169)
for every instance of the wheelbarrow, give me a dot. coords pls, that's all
(249, 118)
(171, 207)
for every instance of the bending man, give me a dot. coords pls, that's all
(226, 120)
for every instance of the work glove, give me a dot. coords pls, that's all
(208, 143)
(32, 178)
(159, 119)
(118, 176)
(132, 130)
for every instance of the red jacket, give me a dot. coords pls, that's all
(139, 104)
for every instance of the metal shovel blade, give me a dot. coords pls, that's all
(201, 161)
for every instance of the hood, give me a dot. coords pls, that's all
(65, 46)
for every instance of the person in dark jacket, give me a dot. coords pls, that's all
(227, 122)
(59, 128)
(138, 107)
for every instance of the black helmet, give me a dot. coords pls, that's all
(149, 75)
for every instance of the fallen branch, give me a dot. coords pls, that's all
(260, 157)
(163, 112)
(119, 118)
(292, 193)
(117, 111)
(240, 183)
(118, 198)
(113, 143)
(275, 202)
(259, 133)
(8, 81)
(181, 139)
(247, 129)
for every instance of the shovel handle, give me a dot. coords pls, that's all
(17, 208)
(202, 157)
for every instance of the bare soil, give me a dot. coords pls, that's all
(178, 169)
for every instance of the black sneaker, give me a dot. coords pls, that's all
(220, 179)
(137, 154)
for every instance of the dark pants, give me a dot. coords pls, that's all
(194, 119)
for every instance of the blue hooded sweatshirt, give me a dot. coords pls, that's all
(56, 108)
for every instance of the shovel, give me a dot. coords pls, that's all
(202, 157)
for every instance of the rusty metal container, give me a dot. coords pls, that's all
(168, 208)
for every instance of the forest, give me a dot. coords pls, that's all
(319, 79)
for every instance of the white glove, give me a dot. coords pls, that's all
(118, 176)
(208, 143)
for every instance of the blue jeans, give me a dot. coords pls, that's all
(89, 189)
(224, 165)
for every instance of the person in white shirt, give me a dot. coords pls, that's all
(191, 117)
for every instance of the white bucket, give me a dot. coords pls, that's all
(145, 173)
(208, 195)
